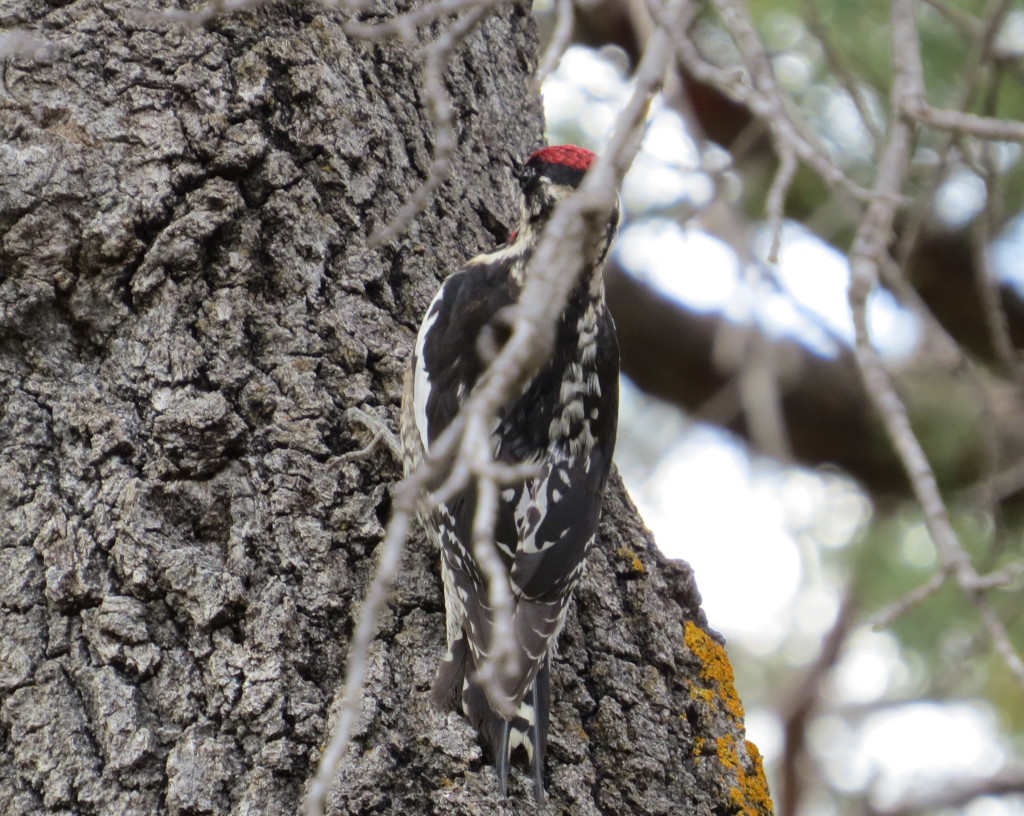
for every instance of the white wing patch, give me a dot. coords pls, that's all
(533, 508)
(421, 379)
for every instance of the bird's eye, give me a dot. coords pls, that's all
(531, 181)
(526, 174)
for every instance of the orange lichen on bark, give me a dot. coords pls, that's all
(748, 791)
(727, 753)
(715, 668)
(750, 795)
(635, 564)
(705, 695)
(755, 784)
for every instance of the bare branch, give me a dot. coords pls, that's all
(366, 629)
(200, 16)
(555, 265)
(1000, 637)
(987, 281)
(1007, 782)
(976, 31)
(435, 96)
(749, 352)
(799, 709)
(885, 618)
(440, 108)
(561, 36)
(1003, 484)
(839, 67)
(775, 204)
(868, 255)
(981, 47)
(958, 17)
(757, 89)
(459, 451)
(502, 661)
(869, 248)
(964, 124)
(380, 431)
(404, 25)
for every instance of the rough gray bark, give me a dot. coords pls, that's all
(187, 309)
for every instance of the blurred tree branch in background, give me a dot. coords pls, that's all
(932, 92)
(941, 265)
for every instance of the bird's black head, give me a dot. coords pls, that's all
(562, 165)
(550, 174)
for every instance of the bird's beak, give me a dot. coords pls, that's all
(519, 172)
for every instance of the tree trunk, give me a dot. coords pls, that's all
(187, 309)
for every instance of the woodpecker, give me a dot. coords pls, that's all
(563, 422)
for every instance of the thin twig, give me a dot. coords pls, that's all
(974, 30)
(869, 249)
(366, 628)
(1004, 484)
(404, 25)
(561, 36)
(381, 433)
(963, 123)
(732, 82)
(798, 711)
(1000, 637)
(560, 255)
(551, 274)
(759, 91)
(981, 46)
(967, 24)
(816, 25)
(996, 321)
(440, 107)
(758, 386)
(1004, 783)
(885, 618)
(502, 660)
(200, 16)
(775, 204)
(21, 43)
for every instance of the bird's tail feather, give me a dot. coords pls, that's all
(456, 682)
(447, 690)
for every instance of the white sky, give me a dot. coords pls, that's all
(752, 531)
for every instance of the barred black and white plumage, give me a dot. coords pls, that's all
(564, 422)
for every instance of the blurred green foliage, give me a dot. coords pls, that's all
(833, 58)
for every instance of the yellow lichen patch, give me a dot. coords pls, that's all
(635, 564)
(750, 795)
(705, 695)
(748, 791)
(715, 667)
(727, 753)
(755, 784)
